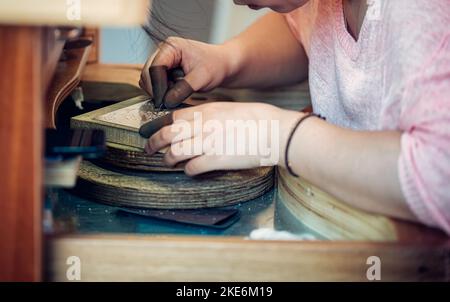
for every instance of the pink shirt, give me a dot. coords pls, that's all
(396, 76)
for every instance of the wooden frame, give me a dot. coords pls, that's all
(21, 120)
(117, 134)
(178, 258)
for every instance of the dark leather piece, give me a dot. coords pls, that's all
(180, 91)
(169, 87)
(160, 84)
(150, 128)
(212, 218)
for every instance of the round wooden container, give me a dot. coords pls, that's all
(171, 190)
(323, 214)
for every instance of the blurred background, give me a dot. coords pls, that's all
(211, 21)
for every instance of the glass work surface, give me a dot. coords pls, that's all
(68, 213)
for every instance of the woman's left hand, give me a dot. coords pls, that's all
(224, 136)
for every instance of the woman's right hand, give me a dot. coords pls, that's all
(205, 67)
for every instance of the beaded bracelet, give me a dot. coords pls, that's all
(301, 120)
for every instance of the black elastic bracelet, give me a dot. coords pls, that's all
(288, 165)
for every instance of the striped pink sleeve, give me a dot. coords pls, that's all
(424, 164)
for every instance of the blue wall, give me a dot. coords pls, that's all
(124, 45)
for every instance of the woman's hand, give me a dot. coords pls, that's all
(266, 55)
(225, 136)
(204, 66)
